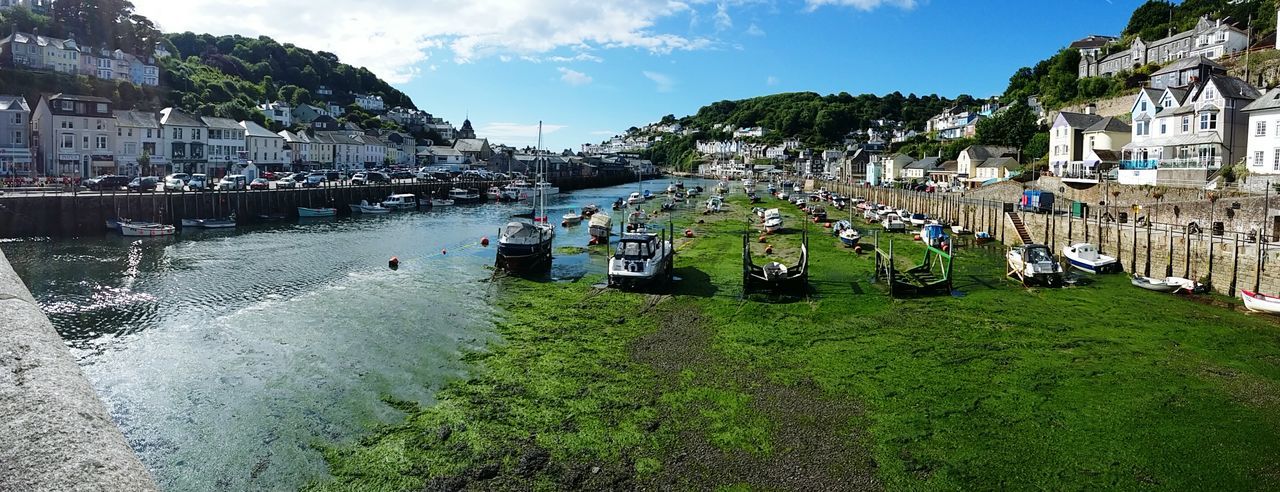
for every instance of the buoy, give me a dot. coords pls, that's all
(484, 241)
(857, 249)
(444, 251)
(768, 250)
(916, 237)
(827, 225)
(688, 233)
(393, 263)
(945, 246)
(762, 238)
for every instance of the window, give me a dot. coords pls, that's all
(1261, 129)
(1208, 94)
(102, 108)
(1163, 127)
(1275, 161)
(148, 133)
(68, 141)
(101, 143)
(17, 137)
(119, 132)
(85, 143)
(1142, 106)
(1208, 121)
(17, 118)
(1257, 158)
(177, 134)
(195, 134)
(1186, 124)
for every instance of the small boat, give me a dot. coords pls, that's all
(571, 218)
(305, 212)
(272, 217)
(618, 204)
(493, 193)
(715, 204)
(797, 188)
(892, 223)
(1167, 285)
(146, 229)
(1086, 258)
(872, 215)
(113, 224)
(441, 202)
(547, 189)
(838, 226)
(959, 230)
(680, 185)
(933, 235)
(599, 227)
(459, 195)
(819, 214)
(635, 198)
(524, 246)
(641, 259)
(637, 221)
(1034, 263)
(772, 220)
(850, 237)
(919, 219)
(190, 223)
(1262, 303)
(401, 201)
(221, 223)
(647, 195)
(671, 188)
(982, 237)
(590, 210)
(365, 208)
(692, 192)
(783, 196)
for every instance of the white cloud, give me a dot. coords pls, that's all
(603, 133)
(573, 77)
(722, 18)
(754, 30)
(393, 37)
(663, 82)
(517, 134)
(771, 81)
(811, 5)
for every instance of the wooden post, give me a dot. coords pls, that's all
(1147, 270)
(1235, 268)
(1186, 259)
(1168, 268)
(1133, 263)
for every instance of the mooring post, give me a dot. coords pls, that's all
(1168, 268)
(1235, 267)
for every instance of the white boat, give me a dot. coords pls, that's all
(919, 219)
(1262, 303)
(146, 229)
(305, 212)
(772, 220)
(494, 193)
(401, 201)
(441, 202)
(600, 227)
(959, 230)
(635, 198)
(933, 235)
(547, 189)
(637, 221)
(797, 188)
(671, 188)
(893, 223)
(1085, 257)
(850, 237)
(1034, 263)
(641, 259)
(714, 204)
(459, 195)
(223, 223)
(365, 208)
(1169, 284)
(185, 223)
(571, 218)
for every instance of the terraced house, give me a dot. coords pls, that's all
(185, 141)
(35, 52)
(75, 135)
(1210, 38)
(15, 136)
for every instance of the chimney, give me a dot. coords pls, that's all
(1091, 109)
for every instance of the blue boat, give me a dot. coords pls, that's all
(840, 226)
(850, 237)
(647, 195)
(933, 235)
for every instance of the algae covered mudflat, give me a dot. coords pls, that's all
(1101, 385)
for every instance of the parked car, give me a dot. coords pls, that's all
(183, 176)
(198, 182)
(369, 177)
(286, 182)
(106, 182)
(144, 183)
(260, 184)
(299, 177)
(269, 176)
(313, 181)
(233, 182)
(173, 184)
(402, 175)
(332, 175)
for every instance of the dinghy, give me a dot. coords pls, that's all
(1085, 257)
(1262, 303)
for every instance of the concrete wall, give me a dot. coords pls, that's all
(57, 435)
(1230, 262)
(67, 215)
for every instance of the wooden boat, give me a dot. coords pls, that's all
(1086, 258)
(307, 212)
(599, 228)
(982, 237)
(1262, 303)
(146, 229)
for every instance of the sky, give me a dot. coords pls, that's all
(589, 69)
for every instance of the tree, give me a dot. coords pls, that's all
(1012, 127)
(1038, 146)
(144, 163)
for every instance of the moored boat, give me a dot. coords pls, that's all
(1085, 257)
(459, 195)
(600, 227)
(440, 202)
(1258, 302)
(772, 220)
(570, 219)
(641, 259)
(219, 223)
(401, 201)
(933, 235)
(146, 229)
(892, 223)
(850, 237)
(1034, 263)
(308, 212)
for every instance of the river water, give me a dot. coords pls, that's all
(225, 356)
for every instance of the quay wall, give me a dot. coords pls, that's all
(84, 213)
(1229, 261)
(57, 434)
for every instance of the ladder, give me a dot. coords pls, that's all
(1020, 227)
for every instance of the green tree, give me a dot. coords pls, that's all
(1012, 127)
(1037, 147)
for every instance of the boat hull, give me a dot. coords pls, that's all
(1256, 302)
(1095, 268)
(146, 230)
(317, 212)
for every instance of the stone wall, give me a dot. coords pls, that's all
(1119, 106)
(57, 435)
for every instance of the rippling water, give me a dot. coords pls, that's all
(224, 355)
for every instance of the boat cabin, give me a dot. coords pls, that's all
(637, 246)
(401, 200)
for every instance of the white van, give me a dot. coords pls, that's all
(233, 182)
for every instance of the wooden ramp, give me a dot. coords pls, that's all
(931, 277)
(1020, 227)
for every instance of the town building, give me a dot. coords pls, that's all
(1209, 38)
(37, 6)
(370, 103)
(74, 135)
(15, 136)
(35, 52)
(1185, 72)
(279, 112)
(1103, 142)
(300, 147)
(1066, 138)
(263, 148)
(184, 141)
(466, 132)
(225, 144)
(974, 155)
(1186, 135)
(1092, 45)
(138, 134)
(1263, 156)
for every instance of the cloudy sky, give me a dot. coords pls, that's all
(592, 68)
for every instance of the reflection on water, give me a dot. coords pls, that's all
(224, 355)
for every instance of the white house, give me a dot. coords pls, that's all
(370, 102)
(279, 112)
(263, 148)
(138, 133)
(225, 144)
(74, 135)
(184, 141)
(300, 147)
(974, 155)
(1066, 139)
(1264, 135)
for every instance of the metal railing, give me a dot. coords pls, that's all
(1139, 164)
(1191, 163)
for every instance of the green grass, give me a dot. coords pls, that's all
(1098, 386)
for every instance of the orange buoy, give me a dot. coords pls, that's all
(827, 225)
(857, 249)
(762, 238)
(688, 233)
(945, 246)
(916, 237)
(768, 250)
(484, 241)
(393, 263)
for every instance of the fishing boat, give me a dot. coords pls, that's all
(1086, 258)
(440, 202)
(494, 193)
(772, 220)
(850, 237)
(933, 235)
(401, 201)
(526, 246)
(113, 224)
(1262, 303)
(635, 199)
(714, 204)
(570, 219)
(590, 210)
(145, 229)
(459, 195)
(1034, 264)
(1168, 284)
(892, 223)
(365, 208)
(307, 212)
(599, 227)
(641, 259)
(637, 221)
(219, 223)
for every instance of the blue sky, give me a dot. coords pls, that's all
(591, 69)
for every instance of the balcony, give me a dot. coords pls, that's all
(1192, 163)
(1139, 164)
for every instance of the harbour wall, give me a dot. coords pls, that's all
(85, 213)
(1229, 261)
(57, 435)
